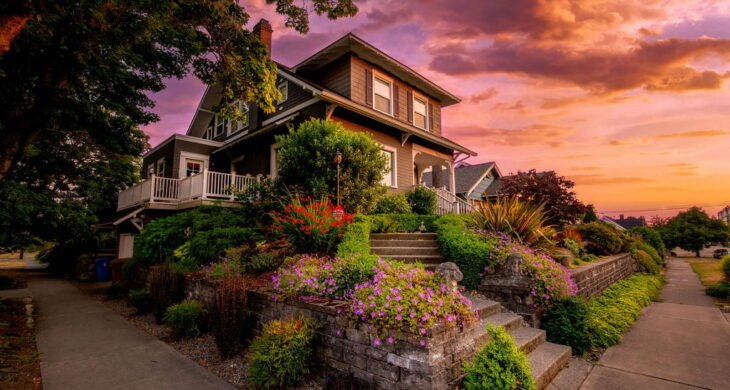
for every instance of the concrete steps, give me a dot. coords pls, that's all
(407, 247)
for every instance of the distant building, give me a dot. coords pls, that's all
(724, 214)
(627, 222)
(611, 221)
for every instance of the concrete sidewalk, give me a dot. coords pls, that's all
(84, 345)
(682, 342)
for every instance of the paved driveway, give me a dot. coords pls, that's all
(682, 342)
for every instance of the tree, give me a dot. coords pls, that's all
(86, 66)
(561, 203)
(305, 159)
(692, 230)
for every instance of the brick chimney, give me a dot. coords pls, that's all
(263, 30)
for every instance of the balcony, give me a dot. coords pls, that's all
(206, 185)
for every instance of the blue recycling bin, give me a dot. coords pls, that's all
(103, 270)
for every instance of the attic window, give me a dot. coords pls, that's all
(284, 89)
(419, 112)
(382, 95)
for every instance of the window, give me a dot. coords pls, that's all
(208, 134)
(161, 167)
(239, 125)
(193, 167)
(419, 112)
(150, 170)
(389, 177)
(221, 125)
(382, 92)
(284, 89)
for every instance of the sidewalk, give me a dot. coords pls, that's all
(682, 342)
(84, 345)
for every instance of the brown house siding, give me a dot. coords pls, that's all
(335, 76)
(167, 152)
(171, 152)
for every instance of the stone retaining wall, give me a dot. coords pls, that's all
(595, 277)
(348, 348)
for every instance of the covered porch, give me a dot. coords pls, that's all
(443, 184)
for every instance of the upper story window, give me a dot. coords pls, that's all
(284, 89)
(208, 133)
(221, 125)
(420, 113)
(382, 95)
(239, 125)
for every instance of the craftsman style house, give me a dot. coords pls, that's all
(349, 81)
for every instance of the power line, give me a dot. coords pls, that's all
(663, 209)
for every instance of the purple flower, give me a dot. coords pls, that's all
(376, 342)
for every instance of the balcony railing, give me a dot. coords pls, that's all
(448, 203)
(204, 185)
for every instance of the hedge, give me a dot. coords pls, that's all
(469, 250)
(651, 237)
(208, 246)
(601, 238)
(356, 240)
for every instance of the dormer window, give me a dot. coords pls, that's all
(420, 112)
(382, 94)
(239, 125)
(208, 134)
(284, 89)
(221, 125)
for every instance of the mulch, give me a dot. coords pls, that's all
(19, 359)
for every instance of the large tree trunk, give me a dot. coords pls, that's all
(16, 140)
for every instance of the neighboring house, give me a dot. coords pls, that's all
(724, 214)
(629, 222)
(471, 181)
(613, 223)
(349, 81)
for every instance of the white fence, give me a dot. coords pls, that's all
(204, 185)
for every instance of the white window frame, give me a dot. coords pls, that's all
(163, 163)
(285, 92)
(226, 126)
(394, 166)
(208, 133)
(185, 156)
(413, 106)
(274, 169)
(378, 75)
(190, 160)
(240, 125)
(150, 170)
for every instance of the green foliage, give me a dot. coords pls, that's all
(305, 159)
(601, 239)
(500, 365)
(645, 262)
(263, 262)
(691, 230)
(651, 237)
(167, 287)
(314, 276)
(616, 308)
(207, 246)
(566, 323)
(185, 318)
(228, 315)
(401, 223)
(726, 266)
(140, 299)
(282, 354)
(522, 221)
(422, 200)
(658, 260)
(392, 204)
(356, 240)
(469, 250)
(719, 290)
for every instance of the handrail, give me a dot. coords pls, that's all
(448, 204)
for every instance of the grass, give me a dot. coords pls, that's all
(710, 273)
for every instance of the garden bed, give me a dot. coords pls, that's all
(19, 358)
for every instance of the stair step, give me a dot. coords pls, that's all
(390, 251)
(528, 338)
(547, 360)
(510, 321)
(484, 307)
(403, 236)
(404, 243)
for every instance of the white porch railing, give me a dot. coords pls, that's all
(204, 185)
(448, 203)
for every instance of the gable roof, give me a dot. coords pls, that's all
(467, 176)
(351, 43)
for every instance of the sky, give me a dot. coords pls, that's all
(628, 98)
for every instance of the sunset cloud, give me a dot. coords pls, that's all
(607, 180)
(696, 134)
(540, 134)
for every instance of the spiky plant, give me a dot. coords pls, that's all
(520, 220)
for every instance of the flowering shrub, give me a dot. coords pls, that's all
(549, 280)
(407, 298)
(312, 276)
(311, 226)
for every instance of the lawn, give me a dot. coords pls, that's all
(710, 273)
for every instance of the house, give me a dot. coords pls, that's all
(612, 222)
(629, 222)
(350, 81)
(471, 181)
(724, 214)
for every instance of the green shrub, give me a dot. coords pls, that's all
(616, 308)
(500, 365)
(566, 323)
(208, 246)
(469, 250)
(651, 237)
(658, 260)
(140, 299)
(263, 262)
(401, 223)
(185, 318)
(645, 262)
(601, 238)
(307, 275)
(167, 287)
(719, 290)
(422, 200)
(224, 268)
(282, 354)
(519, 220)
(726, 266)
(392, 204)
(356, 240)
(228, 315)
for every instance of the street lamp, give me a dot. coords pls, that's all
(338, 161)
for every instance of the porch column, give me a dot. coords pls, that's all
(452, 178)
(437, 175)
